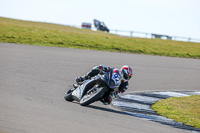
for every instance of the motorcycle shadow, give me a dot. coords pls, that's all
(104, 109)
(107, 109)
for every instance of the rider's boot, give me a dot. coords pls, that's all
(106, 100)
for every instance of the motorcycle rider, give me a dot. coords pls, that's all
(125, 72)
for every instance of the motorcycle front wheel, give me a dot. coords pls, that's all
(92, 95)
(68, 95)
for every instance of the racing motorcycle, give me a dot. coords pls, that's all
(94, 89)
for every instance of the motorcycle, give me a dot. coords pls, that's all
(94, 89)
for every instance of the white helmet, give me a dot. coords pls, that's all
(126, 73)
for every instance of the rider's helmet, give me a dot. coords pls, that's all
(126, 73)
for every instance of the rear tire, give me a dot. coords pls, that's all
(92, 95)
(68, 95)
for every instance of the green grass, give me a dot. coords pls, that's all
(45, 34)
(182, 109)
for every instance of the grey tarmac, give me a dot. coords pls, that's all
(33, 80)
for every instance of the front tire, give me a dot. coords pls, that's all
(92, 95)
(68, 95)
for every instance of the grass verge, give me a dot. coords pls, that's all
(35, 33)
(181, 109)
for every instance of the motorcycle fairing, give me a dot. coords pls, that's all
(112, 79)
(79, 92)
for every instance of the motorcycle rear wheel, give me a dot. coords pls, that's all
(92, 95)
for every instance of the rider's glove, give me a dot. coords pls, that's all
(101, 72)
(106, 69)
(80, 79)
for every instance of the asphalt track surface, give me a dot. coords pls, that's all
(33, 80)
